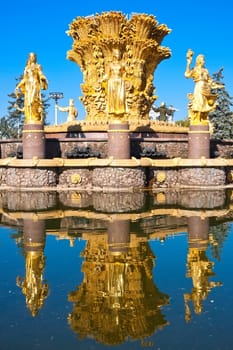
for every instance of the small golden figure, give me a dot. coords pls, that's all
(202, 101)
(30, 86)
(72, 111)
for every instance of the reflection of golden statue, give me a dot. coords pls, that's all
(31, 84)
(200, 270)
(72, 111)
(116, 96)
(202, 101)
(32, 286)
(117, 298)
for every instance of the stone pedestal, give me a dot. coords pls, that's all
(198, 141)
(33, 141)
(119, 140)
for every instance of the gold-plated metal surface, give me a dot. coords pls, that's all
(33, 286)
(200, 269)
(117, 57)
(202, 100)
(30, 86)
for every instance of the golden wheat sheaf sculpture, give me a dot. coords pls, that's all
(118, 57)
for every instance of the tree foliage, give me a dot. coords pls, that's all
(222, 117)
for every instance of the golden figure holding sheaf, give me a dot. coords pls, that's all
(202, 101)
(30, 86)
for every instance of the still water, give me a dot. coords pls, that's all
(116, 271)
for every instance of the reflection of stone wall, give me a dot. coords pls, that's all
(28, 201)
(189, 198)
(159, 223)
(105, 202)
(165, 197)
(118, 202)
(202, 199)
(75, 199)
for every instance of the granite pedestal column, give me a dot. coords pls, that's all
(33, 141)
(119, 140)
(198, 141)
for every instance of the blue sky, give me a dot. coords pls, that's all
(26, 26)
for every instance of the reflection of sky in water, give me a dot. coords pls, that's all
(212, 329)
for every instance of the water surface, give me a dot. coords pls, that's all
(116, 271)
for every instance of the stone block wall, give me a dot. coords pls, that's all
(114, 178)
(67, 146)
(223, 149)
(28, 177)
(202, 177)
(188, 177)
(161, 177)
(171, 147)
(75, 177)
(9, 147)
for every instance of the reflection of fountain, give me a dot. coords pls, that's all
(199, 268)
(32, 285)
(117, 298)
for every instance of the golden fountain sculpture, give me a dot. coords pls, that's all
(117, 57)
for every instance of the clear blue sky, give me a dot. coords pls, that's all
(26, 26)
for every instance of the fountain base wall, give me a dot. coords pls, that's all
(113, 177)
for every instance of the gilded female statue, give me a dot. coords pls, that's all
(31, 84)
(116, 90)
(202, 101)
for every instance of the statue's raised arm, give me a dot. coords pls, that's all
(189, 57)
